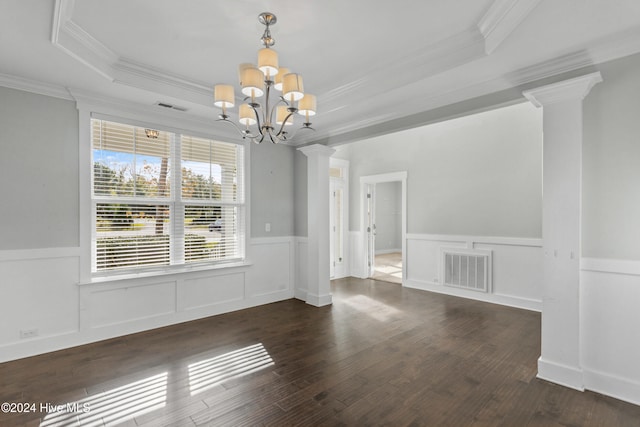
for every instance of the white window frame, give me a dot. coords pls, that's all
(90, 108)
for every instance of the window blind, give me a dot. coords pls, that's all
(143, 221)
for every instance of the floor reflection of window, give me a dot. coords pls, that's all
(207, 373)
(113, 406)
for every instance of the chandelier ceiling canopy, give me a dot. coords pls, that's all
(269, 119)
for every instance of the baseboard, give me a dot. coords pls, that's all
(300, 294)
(508, 300)
(319, 300)
(558, 373)
(611, 385)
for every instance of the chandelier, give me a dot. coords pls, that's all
(257, 119)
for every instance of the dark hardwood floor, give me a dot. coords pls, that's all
(380, 355)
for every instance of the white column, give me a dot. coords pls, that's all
(318, 236)
(561, 213)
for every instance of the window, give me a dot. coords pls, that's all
(162, 199)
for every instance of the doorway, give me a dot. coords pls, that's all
(338, 219)
(384, 226)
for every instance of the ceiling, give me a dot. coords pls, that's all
(368, 65)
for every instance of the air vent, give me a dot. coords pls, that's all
(171, 106)
(466, 268)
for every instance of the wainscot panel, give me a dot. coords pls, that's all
(45, 296)
(610, 327)
(516, 269)
(301, 269)
(267, 276)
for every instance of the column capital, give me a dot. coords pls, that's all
(316, 150)
(566, 90)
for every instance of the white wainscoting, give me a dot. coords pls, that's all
(301, 289)
(43, 294)
(610, 327)
(517, 267)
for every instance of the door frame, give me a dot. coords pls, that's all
(344, 269)
(365, 181)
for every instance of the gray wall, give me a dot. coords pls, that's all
(38, 171)
(611, 163)
(474, 175)
(39, 176)
(388, 199)
(272, 190)
(300, 190)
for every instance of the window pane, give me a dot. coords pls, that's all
(209, 169)
(211, 233)
(131, 235)
(127, 163)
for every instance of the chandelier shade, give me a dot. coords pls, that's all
(282, 115)
(246, 115)
(257, 116)
(292, 87)
(307, 105)
(277, 84)
(268, 62)
(224, 96)
(252, 82)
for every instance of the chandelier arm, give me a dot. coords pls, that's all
(284, 122)
(240, 131)
(268, 113)
(304, 126)
(243, 132)
(255, 110)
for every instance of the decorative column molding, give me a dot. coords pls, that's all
(318, 238)
(575, 89)
(561, 226)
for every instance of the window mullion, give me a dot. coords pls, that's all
(177, 206)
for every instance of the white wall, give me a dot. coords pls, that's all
(40, 253)
(516, 268)
(610, 277)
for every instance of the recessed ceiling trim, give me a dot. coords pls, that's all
(501, 19)
(78, 43)
(150, 114)
(572, 89)
(459, 49)
(40, 88)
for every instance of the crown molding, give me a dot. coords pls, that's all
(501, 19)
(459, 49)
(33, 86)
(616, 46)
(152, 115)
(566, 90)
(81, 45)
(317, 150)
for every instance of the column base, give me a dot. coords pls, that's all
(568, 376)
(319, 300)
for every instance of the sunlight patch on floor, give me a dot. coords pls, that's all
(111, 407)
(208, 373)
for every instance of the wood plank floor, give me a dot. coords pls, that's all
(380, 355)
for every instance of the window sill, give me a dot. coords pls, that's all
(169, 273)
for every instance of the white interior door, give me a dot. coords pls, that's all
(338, 266)
(371, 228)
